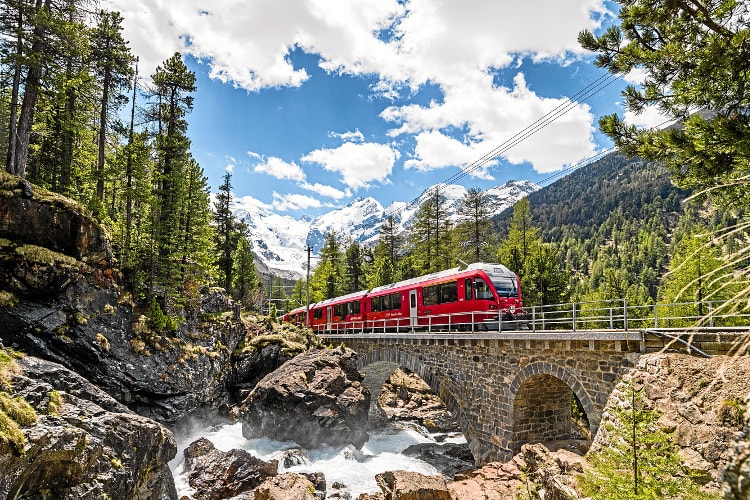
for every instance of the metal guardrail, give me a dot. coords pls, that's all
(606, 315)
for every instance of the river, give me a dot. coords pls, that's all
(345, 465)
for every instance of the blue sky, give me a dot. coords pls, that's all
(312, 103)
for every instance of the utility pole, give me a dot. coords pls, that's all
(307, 290)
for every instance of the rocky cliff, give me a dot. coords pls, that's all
(77, 441)
(62, 299)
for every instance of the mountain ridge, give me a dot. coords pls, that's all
(280, 241)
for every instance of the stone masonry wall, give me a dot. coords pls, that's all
(480, 380)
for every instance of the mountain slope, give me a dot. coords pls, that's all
(581, 201)
(280, 241)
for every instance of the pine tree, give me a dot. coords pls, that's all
(430, 236)
(518, 249)
(475, 231)
(225, 243)
(327, 279)
(695, 58)
(173, 85)
(640, 460)
(245, 281)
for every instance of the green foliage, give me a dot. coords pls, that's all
(56, 401)
(640, 461)
(431, 237)
(698, 274)
(691, 56)
(474, 232)
(14, 413)
(158, 321)
(328, 278)
(245, 281)
(732, 413)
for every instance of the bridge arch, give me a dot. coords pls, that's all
(540, 401)
(441, 384)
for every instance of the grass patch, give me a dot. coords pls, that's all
(55, 402)
(7, 299)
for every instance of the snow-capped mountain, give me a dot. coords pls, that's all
(279, 241)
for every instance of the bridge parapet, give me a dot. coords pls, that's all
(724, 341)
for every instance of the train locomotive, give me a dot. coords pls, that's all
(479, 297)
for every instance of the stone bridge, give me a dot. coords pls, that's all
(507, 389)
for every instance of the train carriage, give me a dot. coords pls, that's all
(339, 315)
(480, 297)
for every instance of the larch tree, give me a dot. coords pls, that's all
(173, 85)
(430, 235)
(224, 219)
(474, 230)
(112, 62)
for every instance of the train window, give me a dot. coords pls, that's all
(318, 313)
(467, 288)
(375, 303)
(448, 292)
(483, 290)
(395, 300)
(440, 294)
(430, 295)
(339, 310)
(352, 307)
(506, 287)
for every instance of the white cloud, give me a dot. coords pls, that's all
(249, 204)
(280, 169)
(355, 136)
(294, 201)
(636, 76)
(323, 190)
(650, 117)
(453, 44)
(493, 117)
(435, 150)
(358, 164)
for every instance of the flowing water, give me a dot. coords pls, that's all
(356, 469)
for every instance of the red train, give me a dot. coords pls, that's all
(480, 297)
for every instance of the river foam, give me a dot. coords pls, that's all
(356, 469)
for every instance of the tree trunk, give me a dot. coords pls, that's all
(31, 92)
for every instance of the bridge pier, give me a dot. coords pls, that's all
(507, 389)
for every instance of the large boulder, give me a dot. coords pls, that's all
(315, 399)
(404, 485)
(79, 442)
(289, 486)
(215, 474)
(405, 396)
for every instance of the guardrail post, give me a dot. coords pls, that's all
(711, 314)
(656, 316)
(625, 314)
(472, 321)
(611, 320)
(533, 319)
(499, 321)
(574, 316)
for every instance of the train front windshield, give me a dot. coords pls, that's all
(506, 287)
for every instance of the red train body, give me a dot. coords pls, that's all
(480, 297)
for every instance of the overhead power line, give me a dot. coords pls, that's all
(563, 108)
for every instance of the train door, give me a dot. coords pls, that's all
(329, 315)
(413, 308)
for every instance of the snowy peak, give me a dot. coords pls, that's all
(280, 241)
